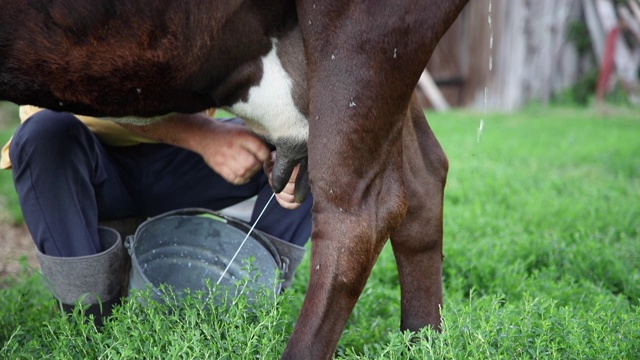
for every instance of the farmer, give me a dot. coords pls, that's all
(72, 172)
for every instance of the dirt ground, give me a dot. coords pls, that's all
(15, 242)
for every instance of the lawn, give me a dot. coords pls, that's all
(542, 246)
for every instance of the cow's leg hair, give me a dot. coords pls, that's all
(355, 169)
(361, 76)
(352, 216)
(417, 242)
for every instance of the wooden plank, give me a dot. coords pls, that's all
(634, 5)
(630, 22)
(432, 92)
(596, 32)
(607, 14)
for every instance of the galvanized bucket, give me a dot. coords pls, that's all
(189, 249)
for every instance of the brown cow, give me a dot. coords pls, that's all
(340, 73)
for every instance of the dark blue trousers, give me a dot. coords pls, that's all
(67, 180)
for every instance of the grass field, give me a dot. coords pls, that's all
(542, 245)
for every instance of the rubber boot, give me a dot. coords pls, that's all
(125, 227)
(93, 280)
(291, 254)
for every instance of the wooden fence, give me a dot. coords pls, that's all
(511, 52)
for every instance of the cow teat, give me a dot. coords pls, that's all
(288, 156)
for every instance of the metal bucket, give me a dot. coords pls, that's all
(189, 249)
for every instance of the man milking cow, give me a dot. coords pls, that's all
(340, 76)
(73, 173)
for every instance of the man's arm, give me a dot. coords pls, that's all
(230, 150)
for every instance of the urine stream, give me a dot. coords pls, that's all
(486, 87)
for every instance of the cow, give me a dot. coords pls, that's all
(329, 83)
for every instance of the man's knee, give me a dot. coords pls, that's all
(47, 130)
(47, 124)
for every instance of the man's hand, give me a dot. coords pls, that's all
(285, 198)
(231, 150)
(234, 152)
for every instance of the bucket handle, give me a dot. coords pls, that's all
(128, 244)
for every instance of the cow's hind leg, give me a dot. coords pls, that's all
(417, 242)
(362, 59)
(358, 200)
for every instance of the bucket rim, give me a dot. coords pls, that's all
(130, 241)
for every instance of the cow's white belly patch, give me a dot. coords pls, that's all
(269, 109)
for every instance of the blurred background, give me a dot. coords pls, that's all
(545, 51)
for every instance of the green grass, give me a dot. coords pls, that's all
(542, 245)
